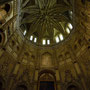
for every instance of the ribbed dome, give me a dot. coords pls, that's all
(46, 21)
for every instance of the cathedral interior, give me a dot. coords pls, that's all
(44, 44)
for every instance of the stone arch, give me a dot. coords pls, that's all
(46, 80)
(73, 86)
(47, 71)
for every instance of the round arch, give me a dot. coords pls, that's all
(73, 86)
(46, 80)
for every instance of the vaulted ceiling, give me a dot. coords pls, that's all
(45, 19)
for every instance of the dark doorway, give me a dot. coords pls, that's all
(47, 85)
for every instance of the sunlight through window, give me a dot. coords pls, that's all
(57, 39)
(70, 26)
(61, 37)
(48, 42)
(24, 32)
(68, 30)
(44, 42)
(31, 38)
(35, 40)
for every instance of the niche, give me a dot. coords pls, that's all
(4, 10)
(46, 60)
(72, 87)
(21, 87)
(7, 8)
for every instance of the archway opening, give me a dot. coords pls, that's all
(47, 81)
(47, 85)
(72, 87)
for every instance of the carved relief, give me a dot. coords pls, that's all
(46, 60)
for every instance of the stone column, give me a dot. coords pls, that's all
(78, 70)
(58, 87)
(36, 80)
